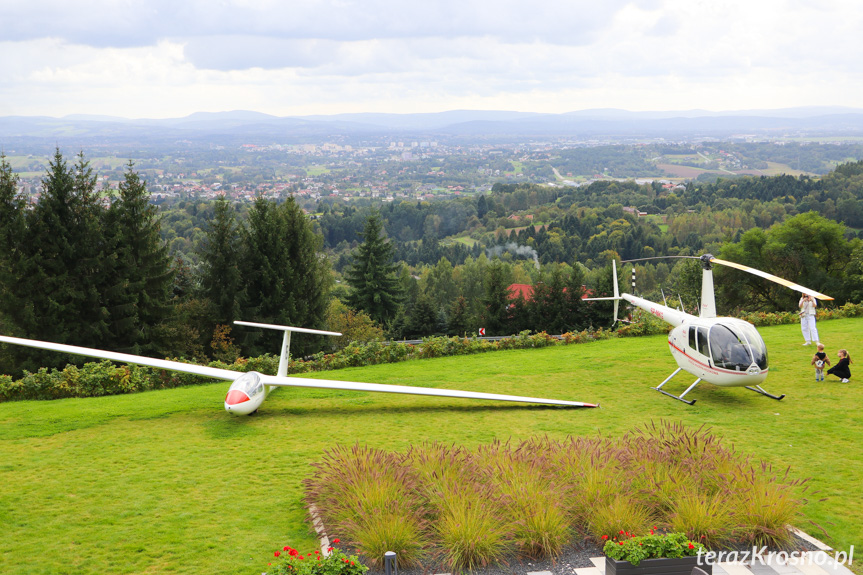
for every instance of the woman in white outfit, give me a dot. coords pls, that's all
(807, 319)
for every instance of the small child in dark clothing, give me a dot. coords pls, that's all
(842, 368)
(819, 360)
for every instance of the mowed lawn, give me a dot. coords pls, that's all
(167, 482)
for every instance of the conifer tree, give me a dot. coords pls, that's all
(496, 316)
(142, 274)
(63, 269)
(12, 228)
(220, 258)
(284, 278)
(376, 288)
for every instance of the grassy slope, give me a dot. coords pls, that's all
(167, 482)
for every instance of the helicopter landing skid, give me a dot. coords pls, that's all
(677, 397)
(758, 389)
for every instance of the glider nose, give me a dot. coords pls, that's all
(235, 397)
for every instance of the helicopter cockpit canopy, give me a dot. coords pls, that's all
(737, 346)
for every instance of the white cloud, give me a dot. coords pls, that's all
(157, 58)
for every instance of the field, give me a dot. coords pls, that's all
(167, 482)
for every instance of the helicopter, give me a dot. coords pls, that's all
(249, 390)
(724, 351)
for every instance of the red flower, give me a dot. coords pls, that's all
(336, 540)
(286, 548)
(276, 553)
(329, 548)
(691, 546)
(317, 552)
(605, 537)
(621, 532)
(352, 563)
(300, 557)
(620, 542)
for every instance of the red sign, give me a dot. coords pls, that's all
(482, 331)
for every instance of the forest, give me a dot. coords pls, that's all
(108, 269)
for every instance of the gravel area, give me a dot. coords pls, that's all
(575, 556)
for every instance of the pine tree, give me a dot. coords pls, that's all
(64, 263)
(142, 272)
(376, 289)
(496, 316)
(12, 228)
(220, 259)
(284, 278)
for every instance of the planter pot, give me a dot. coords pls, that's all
(681, 566)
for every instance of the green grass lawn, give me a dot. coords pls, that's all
(167, 482)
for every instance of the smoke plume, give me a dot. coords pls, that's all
(516, 250)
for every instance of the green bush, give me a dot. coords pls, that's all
(94, 379)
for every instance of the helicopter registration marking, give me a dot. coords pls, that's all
(656, 312)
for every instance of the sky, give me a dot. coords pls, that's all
(170, 58)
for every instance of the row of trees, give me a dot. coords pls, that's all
(74, 271)
(93, 269)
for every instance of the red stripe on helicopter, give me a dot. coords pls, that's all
(708, 366)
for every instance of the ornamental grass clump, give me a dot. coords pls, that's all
(767, 505)
(470, 508)
(470, 529)
(368, 495)
(703, 517)
(530, 496)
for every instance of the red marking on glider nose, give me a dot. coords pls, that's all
(236, 396)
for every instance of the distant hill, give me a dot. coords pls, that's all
(607, 124)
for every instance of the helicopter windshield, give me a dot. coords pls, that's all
(757, 346)
(728, 350)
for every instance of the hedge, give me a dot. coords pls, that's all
(104, 378)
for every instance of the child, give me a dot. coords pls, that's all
(843, 367)
(819, 360)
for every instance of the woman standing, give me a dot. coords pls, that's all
(807, 319)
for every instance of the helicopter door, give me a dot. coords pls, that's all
(698, 340)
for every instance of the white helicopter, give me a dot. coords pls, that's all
(248, 390)
(724, 351)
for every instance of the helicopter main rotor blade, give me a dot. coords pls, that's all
(773, 278)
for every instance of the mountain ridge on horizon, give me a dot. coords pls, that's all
(610, 124)
(792, 112)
